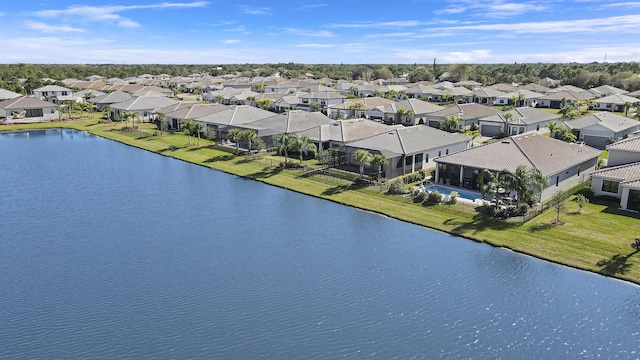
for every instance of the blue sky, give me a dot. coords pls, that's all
(409, 31)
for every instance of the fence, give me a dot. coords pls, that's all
(138, 133)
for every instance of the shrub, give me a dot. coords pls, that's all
(434, 197)
(499, 212)
(415, 177)
(523, 209)
(587, 191)
(420, 197)
(485, 209)
(396, 188)
(453, 197)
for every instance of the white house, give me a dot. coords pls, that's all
(53, 93)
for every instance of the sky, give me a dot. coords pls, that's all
(319, 31)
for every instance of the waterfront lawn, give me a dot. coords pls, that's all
(597, 239)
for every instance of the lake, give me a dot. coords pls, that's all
(108, 251)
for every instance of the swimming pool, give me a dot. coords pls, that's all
(445, 190)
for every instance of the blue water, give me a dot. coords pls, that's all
(112, 252)
(464, 194)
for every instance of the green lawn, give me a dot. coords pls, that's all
(597, 239)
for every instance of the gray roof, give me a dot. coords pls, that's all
(288, 122)
(536, 88)
(528, 94)
(609, 121)
(629, 144)
(548, 155)
(523, 116)
(347, 130)
(144, 103)
(6, 94)
(617, 99)
(25, 102)
(409, 140)
(467, 111)
(486, 93)
(628, 174)
(417, 106)
(236, 115)
(607, 90)
(52, 88)
(566, 95)
(369, 103)
(111, 98)
(196, 110)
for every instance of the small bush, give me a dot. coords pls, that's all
(415, 191)
(420, 197)
(500, 213)
(434, 197)
(453, 197)
(587, 191)
(396, 188)
(523, 209)
(415, 177)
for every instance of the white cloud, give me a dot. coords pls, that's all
(35, 25)
(630, 5)
(370, 25)
(310, 7)
(314, 33)
(316, 45)
(230, 41)
(256, 10)
(109, 13)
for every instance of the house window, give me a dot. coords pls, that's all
(426, 158)
(439, 152)
(408, 160)
(418, 158)
(399, 163)
(33, 113)
(610, 186)
(447, 152)
(64, 93)
(557, 180)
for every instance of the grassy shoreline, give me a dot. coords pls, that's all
(597, 239)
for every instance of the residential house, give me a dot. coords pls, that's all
(53, 93)
(485, 96)
(563, 164)
(523, 120)
(144, 106)
(409, 149)
(467, 114)
(294, 121)
(338, 133)
(504, 87)
(86, 94)
(27, 109)
(469, 84)
(109, 99)
(600, 129)
(557, 100)
(285, 103)
(535, 88)
(323, 98)
(234, 116)
(422, 92)
(615, 102)
(624, 151)
(6, 94)
(351, 108)
(392, 113)
(622, 182)
(519, 97)
(606, 90)
(188, 110)
(549, 82)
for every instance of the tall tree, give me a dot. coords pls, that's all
(379, 160)
(286, 142)
(302, 144)
(198, 127)
(249, 135)
(362, 157)
(506, 120)
(235, 136)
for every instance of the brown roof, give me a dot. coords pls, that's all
(548, 155)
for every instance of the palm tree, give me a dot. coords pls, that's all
(303, 144)
(405, 113)
(507, 180)
(363, 157)
(379, 160)
(485, 182)
(187, 128)
(507, 118)
(285, 143)
(265, 104)
(107, 112)
(249, 135)
(160, 121)
(451, 122)
(134, 115)
(357, 108)
(553, 127)
(473, 135)
(627, 105)
(315, 107)
(198, 127)
(235, 136)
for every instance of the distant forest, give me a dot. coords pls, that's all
(621, 75)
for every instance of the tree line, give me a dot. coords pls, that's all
(622, 75)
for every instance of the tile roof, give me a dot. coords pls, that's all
(236, 115)
(409, 140)
(548, 155)
(25, 102)
(627, 174)
(613, 122)
(523, 116)
(468, 111)
(289, 122)
(348, 130)
(628, 144)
